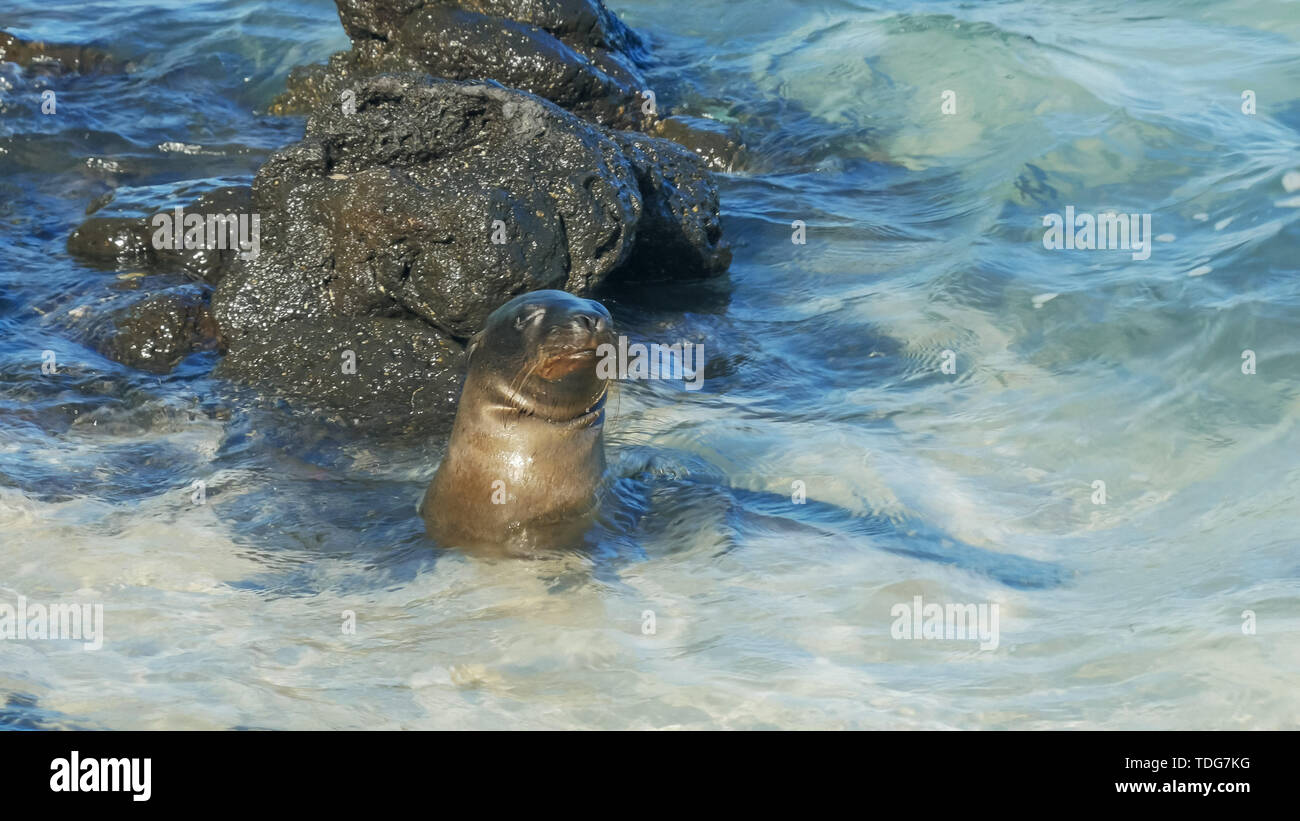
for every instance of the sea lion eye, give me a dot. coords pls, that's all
(532, 316)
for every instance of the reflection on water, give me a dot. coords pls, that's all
(825, 367)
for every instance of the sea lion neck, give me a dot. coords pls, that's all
(518, 400)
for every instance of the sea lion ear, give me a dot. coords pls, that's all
(472, 345)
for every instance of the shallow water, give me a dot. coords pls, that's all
(923, 236)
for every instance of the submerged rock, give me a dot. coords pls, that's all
(112, 242)
(717, 143)
(151, 331)
(56, 57)
(121, 242)
(155, 333)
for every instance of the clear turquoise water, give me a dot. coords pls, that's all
(923, 237)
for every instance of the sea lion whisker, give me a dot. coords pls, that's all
(512, 391)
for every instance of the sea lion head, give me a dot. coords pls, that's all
(537, 355)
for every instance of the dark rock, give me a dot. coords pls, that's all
(211, 263)
(573, 52)
(391, 211)
(378, 229)
(679, 235)
(100, 201)
(112, 242)
(581, 22)
(154, 333)
(415, 206)
(315, 87)
(406, 373)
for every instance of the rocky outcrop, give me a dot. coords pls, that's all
(442, 200)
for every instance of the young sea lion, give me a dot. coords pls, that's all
(526, 459)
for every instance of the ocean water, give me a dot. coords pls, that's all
(1173, 604)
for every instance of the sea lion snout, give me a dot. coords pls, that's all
(582, 328)
(572, 341)
(589, 322)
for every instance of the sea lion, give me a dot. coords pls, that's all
(526, 461)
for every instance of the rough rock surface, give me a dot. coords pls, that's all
(393, 210)
(573, 52)
(679, 235)
(379, 373)
(584, 23)
(157, 332)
